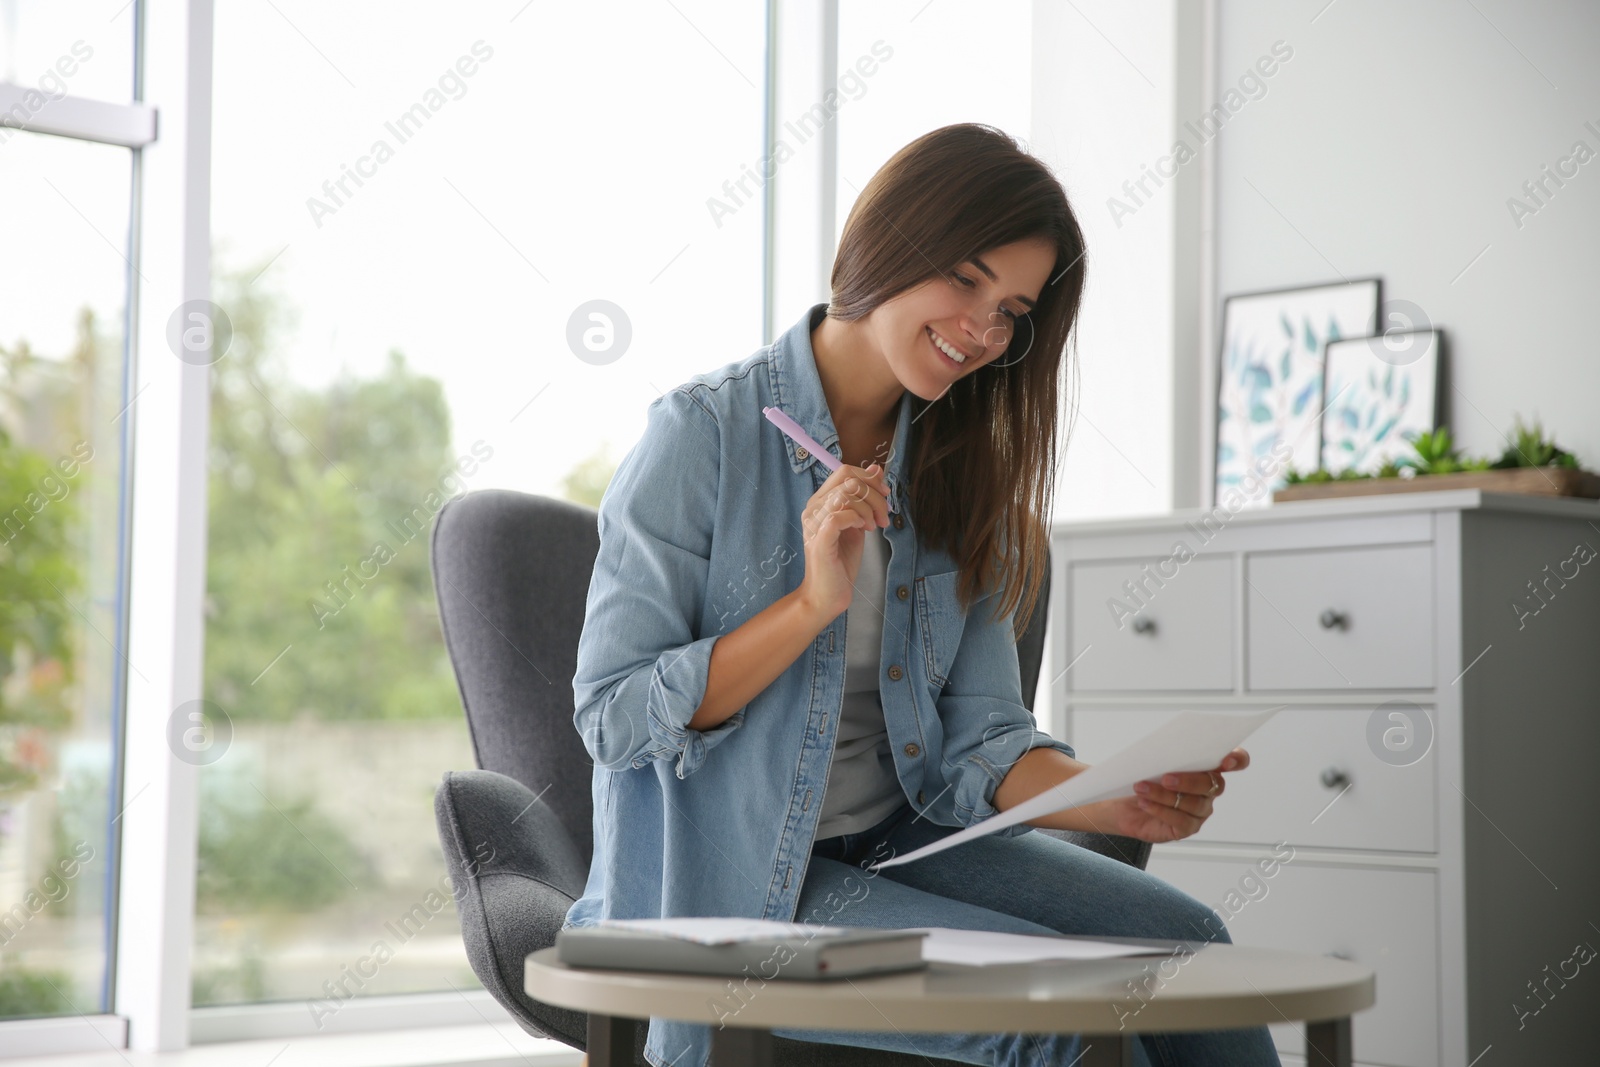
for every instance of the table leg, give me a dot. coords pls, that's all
(1106, 1050)
(1328, 1042)
(610, 1041)
(733, 1046)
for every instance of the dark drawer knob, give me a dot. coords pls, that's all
(1334, 778)
(1142, 625)
(1334, 620)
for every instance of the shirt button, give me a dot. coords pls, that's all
(919, 797)
(895, 672)
(899, 522)
(802, 453)
(912, 750)
(902, 592)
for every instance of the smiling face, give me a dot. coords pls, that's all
(950, 326)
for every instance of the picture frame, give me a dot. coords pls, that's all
(1376, 390)
(1269, 381)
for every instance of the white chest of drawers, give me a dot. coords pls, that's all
(1433, 770)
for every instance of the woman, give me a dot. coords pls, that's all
(787, 673)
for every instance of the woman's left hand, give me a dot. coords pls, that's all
(1176, 805)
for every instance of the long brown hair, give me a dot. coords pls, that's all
(983, 460)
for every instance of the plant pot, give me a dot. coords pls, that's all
(1531, 481)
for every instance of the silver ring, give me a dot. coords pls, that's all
(1175, 800)
(1215, 787)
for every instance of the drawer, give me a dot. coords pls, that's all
(1358, 618)
(1153, 624)
(1390, 802)
(1385, 919)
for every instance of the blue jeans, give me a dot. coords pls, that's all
(1029, 884)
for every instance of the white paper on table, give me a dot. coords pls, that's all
(721, 931)
(1189, 741)
(983, 947)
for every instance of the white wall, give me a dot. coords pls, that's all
(1103, 109)
(1389, 145)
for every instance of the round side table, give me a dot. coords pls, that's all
(1108, 1001)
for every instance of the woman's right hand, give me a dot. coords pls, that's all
(836, 520)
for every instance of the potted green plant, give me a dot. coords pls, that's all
(1528, 447)
(1437, 454)
(1531, 463)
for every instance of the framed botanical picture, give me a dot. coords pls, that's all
(1378, 390)
(1269, 381)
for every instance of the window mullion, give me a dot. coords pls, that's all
(171, 411)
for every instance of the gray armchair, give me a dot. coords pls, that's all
(511, 572)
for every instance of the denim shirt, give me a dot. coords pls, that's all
(700, 530)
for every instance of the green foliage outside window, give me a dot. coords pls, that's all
(320, 508)
(38, 572)
(306, 484)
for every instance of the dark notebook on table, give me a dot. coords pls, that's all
(761, 948)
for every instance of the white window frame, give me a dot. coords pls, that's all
(129, 125)
(169, 412)
(133, 126)
(803, 43)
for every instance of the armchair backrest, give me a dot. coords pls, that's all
(511, 571)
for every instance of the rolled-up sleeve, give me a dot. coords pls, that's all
(987, 727)
(642, 666)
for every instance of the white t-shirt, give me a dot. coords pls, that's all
(862, 785)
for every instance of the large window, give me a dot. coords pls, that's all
(457, 249)
(63, 297)
(450, 250)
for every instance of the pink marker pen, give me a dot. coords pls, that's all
(793, 431)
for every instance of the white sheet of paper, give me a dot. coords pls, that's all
(984, 947)
(722, 931)
(1189, 741)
